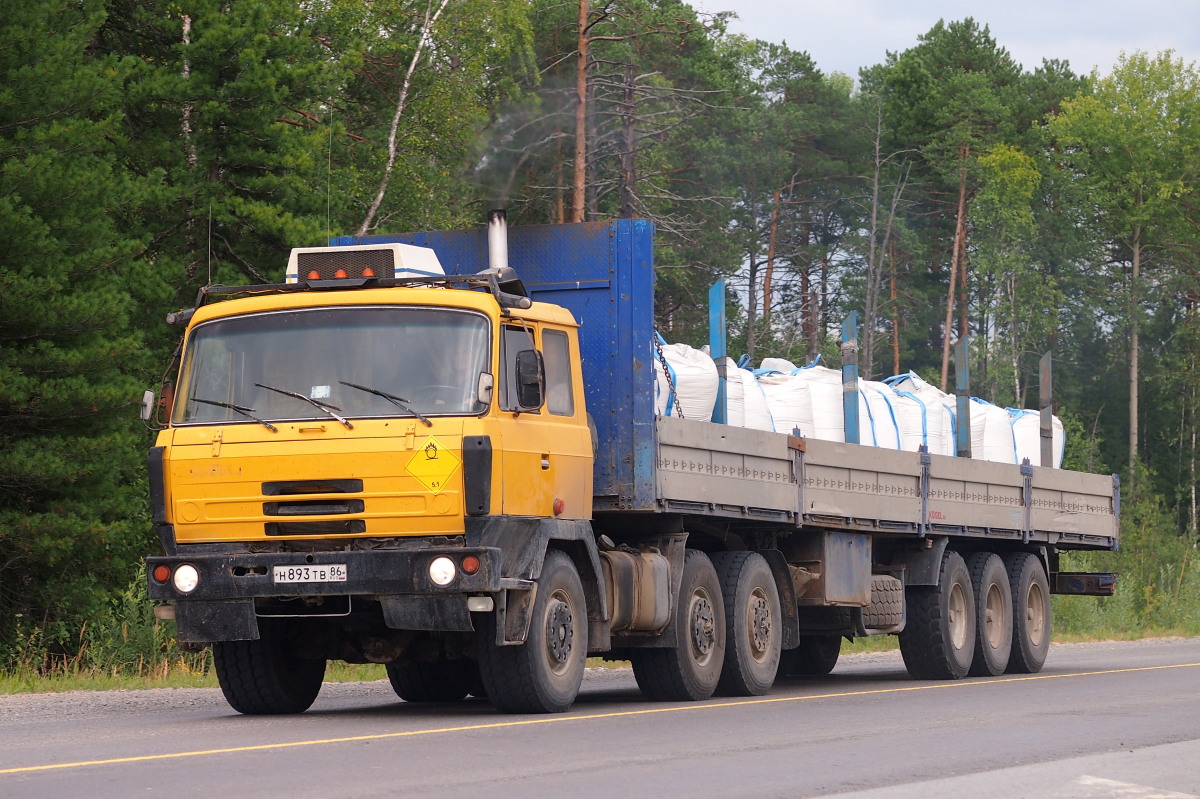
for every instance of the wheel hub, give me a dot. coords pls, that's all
(560, 631)
(760, 623)
(704, 628)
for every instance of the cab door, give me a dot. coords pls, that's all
(547, 452)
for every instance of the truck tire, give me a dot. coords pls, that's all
(1031, 613)
(440, 680)
(262, 678)
(993, 615)
(886, 611)
(938, 642)
(542, 675)
(815, 657)
(753, 631)
(688, 672)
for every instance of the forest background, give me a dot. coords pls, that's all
(150, 147)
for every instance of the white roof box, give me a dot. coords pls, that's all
(362, 261)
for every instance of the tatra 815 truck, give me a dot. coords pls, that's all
(440, 452)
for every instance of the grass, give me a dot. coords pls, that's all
(181, 674)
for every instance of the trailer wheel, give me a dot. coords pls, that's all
(262, 677)
(1031, 613)
(815, 657)
(752, 623)
(993, 615)
(689, 671)
(440, 680)
(938, 641)
(542, 675)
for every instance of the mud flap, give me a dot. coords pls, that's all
(209, 620)
(424, 612)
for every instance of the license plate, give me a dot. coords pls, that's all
(324, 573)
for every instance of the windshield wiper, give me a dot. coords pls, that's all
(244, 411)
(325, 406)
(399, 402)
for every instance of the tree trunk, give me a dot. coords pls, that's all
(766, 304)
(1134, 331)
(957, 253)
(752, 306)
(558, 213)
(874, 271)
(579, 195)
(1016, 343)
(1192, 462)
(895, 310)
(821, 303)
(627, 156)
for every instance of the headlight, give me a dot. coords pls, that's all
(441, 571)
(186, 578)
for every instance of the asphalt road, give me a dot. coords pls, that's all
(1102, 720)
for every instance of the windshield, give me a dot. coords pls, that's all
(334, 364)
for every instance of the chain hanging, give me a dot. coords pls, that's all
(662, 357)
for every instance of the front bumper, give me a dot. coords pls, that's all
(226, 602)
(376, 572)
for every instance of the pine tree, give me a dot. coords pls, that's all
(72, 518)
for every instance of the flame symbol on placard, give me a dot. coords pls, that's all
(431, 451)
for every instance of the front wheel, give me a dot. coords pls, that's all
(689, 671)
(938, 641)
(542, 675)
(263, 677)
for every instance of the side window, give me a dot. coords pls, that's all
(556, 350)
(515, 339)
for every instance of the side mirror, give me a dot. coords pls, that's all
(483, 390)
(531, 380)
(148, 403)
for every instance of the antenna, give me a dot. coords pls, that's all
(209, 243)
(329, 172)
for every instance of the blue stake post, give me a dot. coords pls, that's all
(716, 346)
(962, 389)
(850, 376)
(1046, 408)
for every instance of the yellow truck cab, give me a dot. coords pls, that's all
(348, 463)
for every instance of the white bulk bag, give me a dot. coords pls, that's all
(808, 399)
(788, 402)
(746, 404)
(937, 415)
(695, 377)
(991, 433)
(776, 365)
(828, 411)
(877, 415)
(1027, 435)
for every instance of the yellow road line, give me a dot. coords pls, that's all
(589, 717)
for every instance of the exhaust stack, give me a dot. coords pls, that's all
(497, 240)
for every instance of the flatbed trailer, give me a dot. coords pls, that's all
(712, 557)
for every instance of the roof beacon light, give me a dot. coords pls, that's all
(362, 262)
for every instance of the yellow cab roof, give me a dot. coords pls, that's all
(471, 299)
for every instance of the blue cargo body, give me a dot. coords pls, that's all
(603, 273)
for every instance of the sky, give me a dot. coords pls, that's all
(844, 35)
